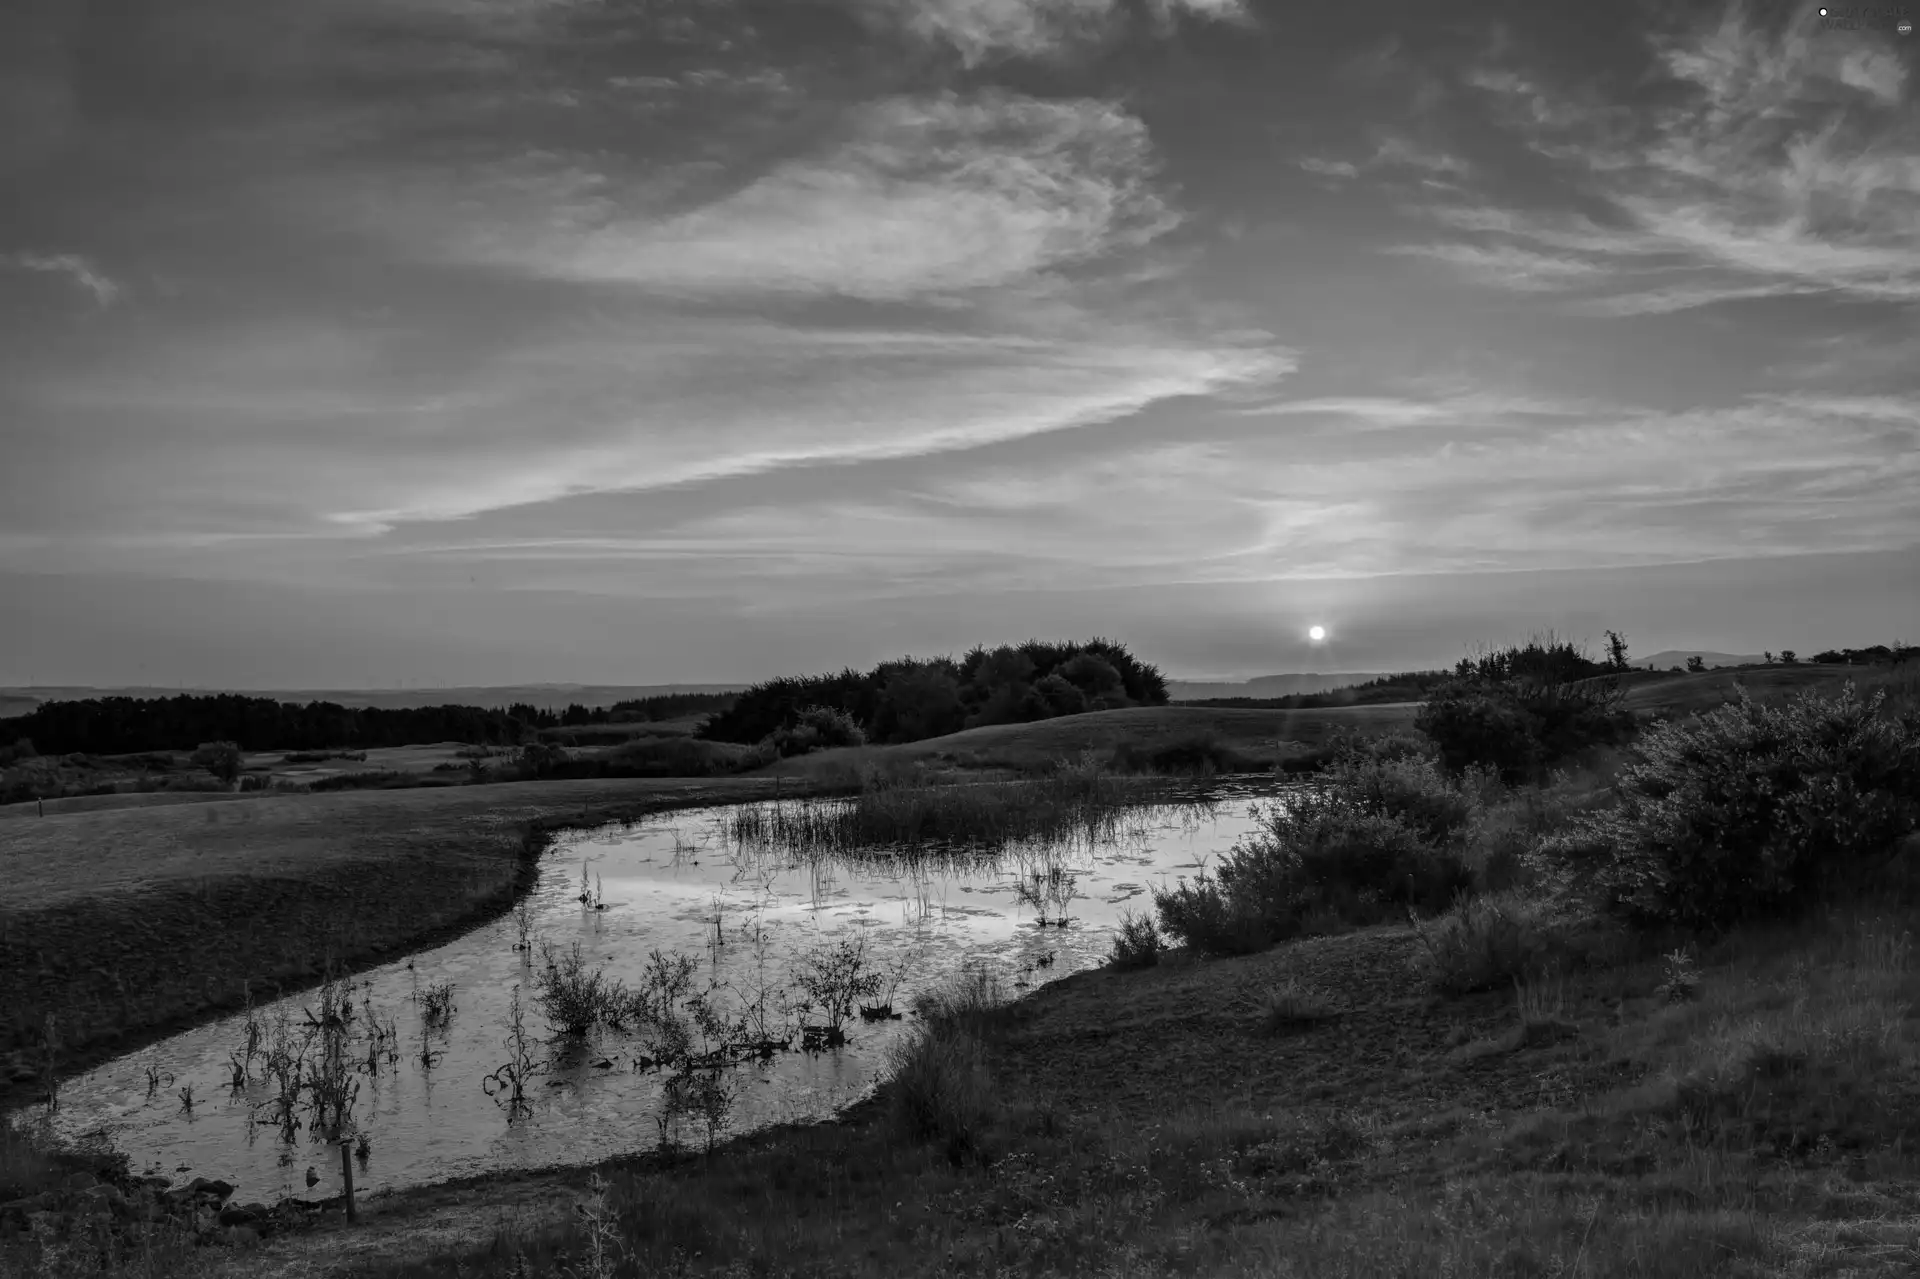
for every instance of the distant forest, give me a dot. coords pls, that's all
(912, 699)
(128, 725)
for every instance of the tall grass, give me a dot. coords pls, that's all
(1075, 805)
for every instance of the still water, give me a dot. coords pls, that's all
(676, 882)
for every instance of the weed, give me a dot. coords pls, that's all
(436, 1003)
(1136, 944)
(1289, 1005)
(835, 977)
(1483, 943)
(508, 1084)
(157, 1079)
(940, 1088)
(186, 1100)
(573, 997)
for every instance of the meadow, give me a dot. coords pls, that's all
(1649, 1011)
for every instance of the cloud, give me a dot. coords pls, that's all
(82, 272)
(1490, 482)
(982, 30)
(326, 433)
(1787, 164)
(918, 196)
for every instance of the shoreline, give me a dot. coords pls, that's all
(180, 927)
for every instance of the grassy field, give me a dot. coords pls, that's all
(1262, 736)
(129, 924)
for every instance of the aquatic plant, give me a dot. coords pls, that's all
(835, 977)
(1075, 805)
(436, 1003)
(573, 997)
(508, 1084)
(157, 1079)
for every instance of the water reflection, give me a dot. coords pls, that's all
(747, 913)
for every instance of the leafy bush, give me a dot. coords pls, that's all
(1359, 849)
(1748, 810)
(1519, 728)
(816, 728)
(222, 759)
(1136, 945)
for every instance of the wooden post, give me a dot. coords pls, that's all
(346, 1176)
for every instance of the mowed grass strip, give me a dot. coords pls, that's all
(131, 924)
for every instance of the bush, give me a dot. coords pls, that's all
(1748, 810)
(1136, 945)
(941, 1089)
(1518, 728)
(1485, 942)
(815, 728)
(683, 757)
(222, 759)
(1350, 851)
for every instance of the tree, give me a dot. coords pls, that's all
(1768, 656)
(917, 702)
(1093, 675)
(1788, 657)
(1616, 651)
(222, 759)
(1696, 663)
(1060, 695)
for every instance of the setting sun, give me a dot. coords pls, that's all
(1316, 633)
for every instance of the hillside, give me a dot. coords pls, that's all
(1255, 734)
(1671, 657)
(1186, 690)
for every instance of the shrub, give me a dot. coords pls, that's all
(1136, 945)
(683, 757)
(1485, 942)
(1332, 852)
(815, 728)
(222, 759)
(1520, 727)
(573, 997)
(1749, 810)
(941, 1089)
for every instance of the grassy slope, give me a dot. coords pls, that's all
(1026, 746)
(1150, 1123)
(132, 923)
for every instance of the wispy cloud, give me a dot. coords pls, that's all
(72, 265)
(1788, 164)
(917, 196)
(982, 30)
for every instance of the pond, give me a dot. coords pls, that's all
(678, 882)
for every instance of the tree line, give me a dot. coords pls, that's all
(914, 698)
(128, 725)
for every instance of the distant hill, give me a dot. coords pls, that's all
(554, 696)
(1181, 690)
(1678, 657)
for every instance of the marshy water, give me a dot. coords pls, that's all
(748, 911)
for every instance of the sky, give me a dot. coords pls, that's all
(381, 342)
